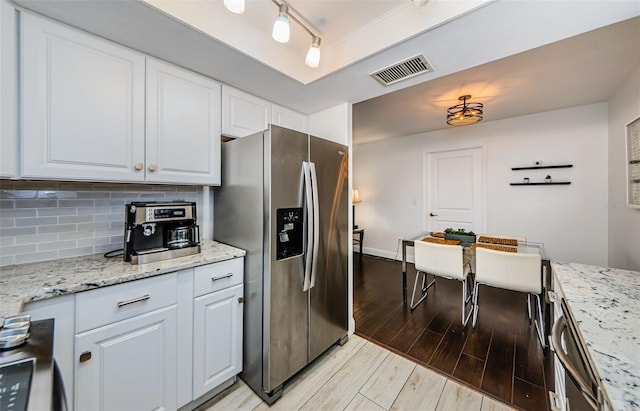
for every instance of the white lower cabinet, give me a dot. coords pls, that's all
(128, 365)
(157, 343)
(217, 338)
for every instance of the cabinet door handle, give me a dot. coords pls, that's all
(85, 356)
(433, 215)
(134, 300)
(241, 300)
(139, 166)
(222, 277)
(153, 167)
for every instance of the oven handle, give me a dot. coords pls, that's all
(560, 328)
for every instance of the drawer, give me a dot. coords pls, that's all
(214, 277)
(118, 302)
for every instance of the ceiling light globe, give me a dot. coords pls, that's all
(234, 6)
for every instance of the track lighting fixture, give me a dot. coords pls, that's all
(234, 6)
(281, 30)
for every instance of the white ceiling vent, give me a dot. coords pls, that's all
(403, 70)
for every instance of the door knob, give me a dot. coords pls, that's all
(433, 215)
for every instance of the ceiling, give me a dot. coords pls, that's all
(515, 56)
(581, 70)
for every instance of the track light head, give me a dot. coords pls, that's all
(234, 6)
(313, 55)
(281, 31)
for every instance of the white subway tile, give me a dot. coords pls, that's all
(60, 245)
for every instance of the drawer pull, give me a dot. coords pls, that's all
(85, 356)
(133, 301)
(222, 277)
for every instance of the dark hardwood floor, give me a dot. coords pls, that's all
(500, 357)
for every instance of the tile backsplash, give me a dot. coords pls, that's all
(47, 220)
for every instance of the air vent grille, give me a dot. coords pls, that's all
(403, 70)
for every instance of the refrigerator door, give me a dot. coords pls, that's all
(328, 320)
(286, 304)
(239, 220)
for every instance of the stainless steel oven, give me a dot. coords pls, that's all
(29, 378)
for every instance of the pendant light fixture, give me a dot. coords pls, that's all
(234, 6)
(465, 113)
(281, 26)
(313, 55)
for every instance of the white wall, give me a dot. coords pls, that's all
(571, 220)
(333, 124)
(624, 222)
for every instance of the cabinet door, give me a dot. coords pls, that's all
(283, 117)
(132, 364)
(242, 113)
(8, 91)
(183, 126)
(217, 338)
(82, 105)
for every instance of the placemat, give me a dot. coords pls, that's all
(440, 241)
(495, 247)
(495, 240)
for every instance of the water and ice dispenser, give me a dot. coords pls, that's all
(290, 225)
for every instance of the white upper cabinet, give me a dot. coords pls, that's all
(8, 91)
(82, 105)
(183, 126)
(283, 117)
(85, 109)
(242, 113)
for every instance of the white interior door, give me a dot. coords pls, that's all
(453, 190)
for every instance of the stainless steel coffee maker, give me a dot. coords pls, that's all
(157, 231)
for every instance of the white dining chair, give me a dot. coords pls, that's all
(441, 260)
(512, 271)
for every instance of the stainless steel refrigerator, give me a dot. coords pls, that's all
(284, 198)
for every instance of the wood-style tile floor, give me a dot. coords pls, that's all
(361, 376)
(501, 357)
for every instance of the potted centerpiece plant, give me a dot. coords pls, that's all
(460, 234)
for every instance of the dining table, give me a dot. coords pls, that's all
(469, 249)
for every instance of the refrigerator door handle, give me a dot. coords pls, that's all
(316, 224)
(306, 169)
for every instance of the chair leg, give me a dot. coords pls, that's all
(423, 287)
(465, 301)
(540, 323)
(476, 288)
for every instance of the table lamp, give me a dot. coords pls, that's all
(355, 199)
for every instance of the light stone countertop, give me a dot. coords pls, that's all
(24, 283)
(605, 303)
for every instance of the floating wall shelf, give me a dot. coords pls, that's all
(542, 183)
(541, 167)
